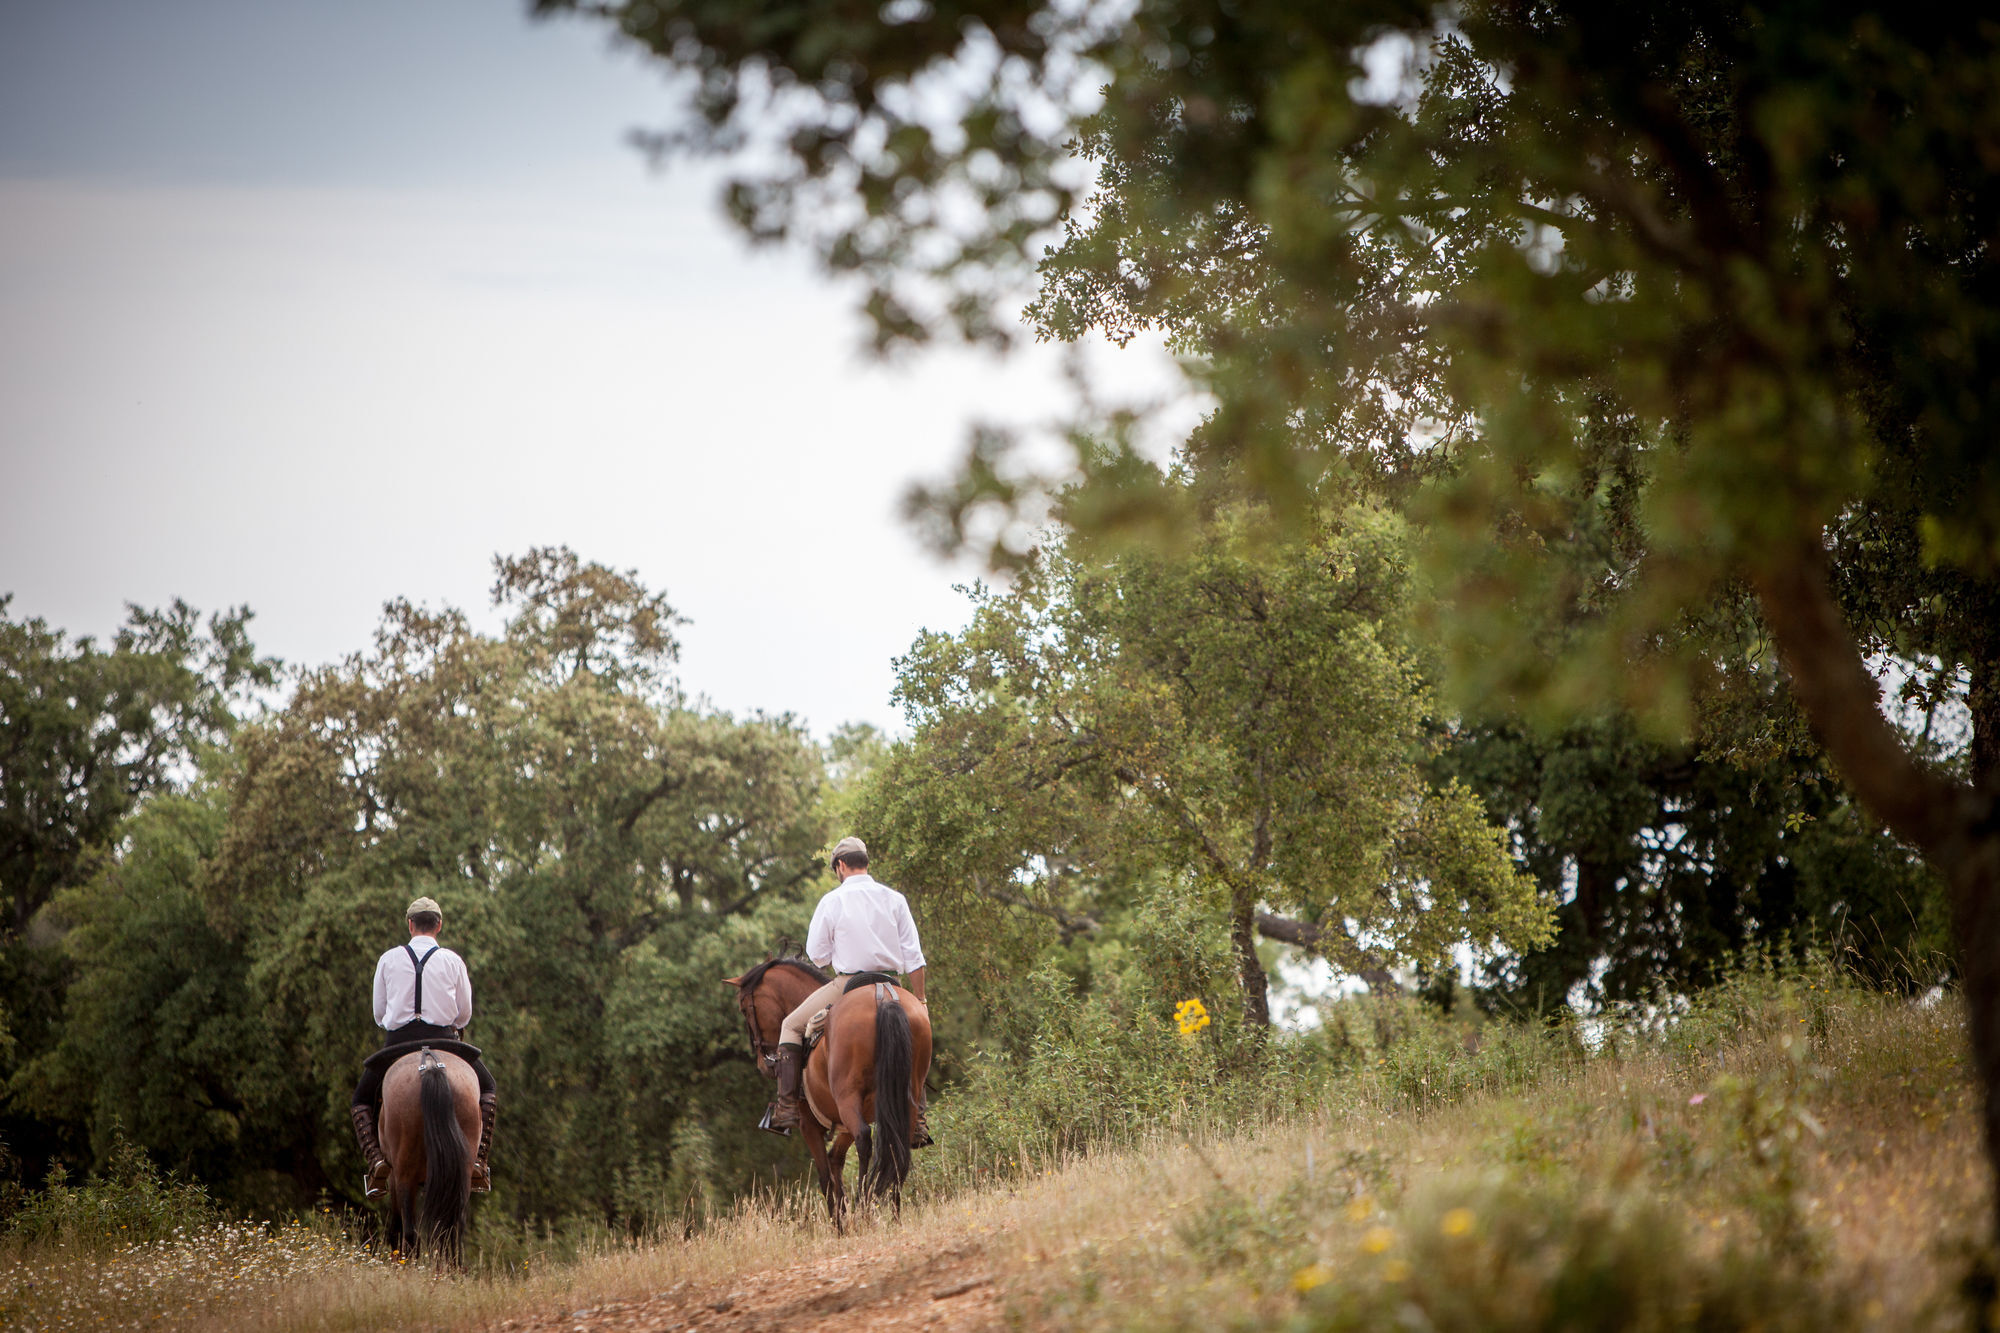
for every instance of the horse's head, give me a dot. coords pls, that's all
(763, 1047)
(765, 995)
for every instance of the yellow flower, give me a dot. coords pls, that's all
(1192, 1015)
(1378, 1239)
(1312, 1275)
(1457, 1222)
(1395, 1271)
(1359, 1210)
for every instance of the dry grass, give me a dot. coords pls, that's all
(1827, 1137)
(1864, 1143)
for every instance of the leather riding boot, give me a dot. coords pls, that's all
(482, 1174)
(791, 1071)
(376, 1182)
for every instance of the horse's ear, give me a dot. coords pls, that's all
(732, 981)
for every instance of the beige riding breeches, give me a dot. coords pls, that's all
(794, 1029)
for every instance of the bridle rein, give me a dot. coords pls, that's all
(765, 1053)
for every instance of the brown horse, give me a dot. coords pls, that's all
(429, 1124)
(869, 1066)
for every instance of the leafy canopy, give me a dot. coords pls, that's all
(86, 731)
(1248, 720)
(602, 851)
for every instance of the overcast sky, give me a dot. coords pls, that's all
(308, 306)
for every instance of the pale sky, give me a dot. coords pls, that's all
(314, 305)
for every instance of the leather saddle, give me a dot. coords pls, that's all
(816, 1025)
(388, 1055)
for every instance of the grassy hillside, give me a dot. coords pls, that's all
(1789, 1153)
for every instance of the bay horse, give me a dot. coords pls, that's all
(869, 1067)
(428, 1128)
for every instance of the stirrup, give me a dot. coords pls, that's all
(481, 1179)
(369, 1189)
(770, 1113)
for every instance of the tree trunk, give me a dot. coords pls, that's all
(1975, 919)
(1974, 870)
(1249, 968)
(1955, 825)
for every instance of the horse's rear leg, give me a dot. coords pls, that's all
(410, 1240)
(854, 1119)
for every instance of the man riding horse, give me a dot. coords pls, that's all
(422, 995)
(862, 925)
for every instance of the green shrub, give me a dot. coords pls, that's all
(1506, 1257)
(1101, 1069)
(128, 1203)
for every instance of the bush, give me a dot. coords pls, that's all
(1101, 1069)
(1506, 1257)
(128, 1203)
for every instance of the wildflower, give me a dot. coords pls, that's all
(1457, 1222)
(1312, 1275)
(1192, 1015)
(1378, 1239)
(1395, 1271)
(1698, 1099)
(1360, 1209)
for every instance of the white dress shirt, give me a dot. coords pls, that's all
(447, 988)
(863, 926)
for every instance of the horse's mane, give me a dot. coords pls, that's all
(756, 974)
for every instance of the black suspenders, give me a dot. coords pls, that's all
(418, 963)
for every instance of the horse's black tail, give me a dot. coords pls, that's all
(891, 1163)
(447, 1202)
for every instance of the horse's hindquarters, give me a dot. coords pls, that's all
(401, 1124)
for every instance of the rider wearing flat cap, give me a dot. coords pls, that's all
(422, 994)
(861, 925)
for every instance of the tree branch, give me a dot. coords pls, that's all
(1308, 936)
(1843, 703)
(668, 784)
(1072, 923)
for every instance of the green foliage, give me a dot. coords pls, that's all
(1508, 1255)
(1667, 860)
(162, 1042)
(1433, 1061)
(1238, 725)
(1666, 324)
(128, 1203)
(604, 853)
(88, 732)
(1626, 293)
(1092, 1075)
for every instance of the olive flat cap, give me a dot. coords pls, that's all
(424, 905)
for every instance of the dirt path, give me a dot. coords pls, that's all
(910, 1284)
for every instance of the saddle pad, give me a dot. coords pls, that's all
(822, 1114)
(388, 1055)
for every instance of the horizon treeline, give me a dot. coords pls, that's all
(1138, 777)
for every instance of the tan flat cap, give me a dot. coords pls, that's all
(846, 845)
(424, 905)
